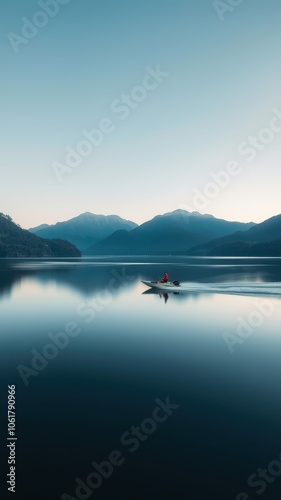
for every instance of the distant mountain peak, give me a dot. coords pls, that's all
(197, 214)
(185, 213)
(85, 229)
(86, 214)
(178, 211)
(42, 226)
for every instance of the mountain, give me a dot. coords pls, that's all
(240, 249)
(171, 233)
(37, 228)
(263, 239)
(17, 242)
(84, 230)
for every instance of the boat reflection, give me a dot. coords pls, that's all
(164, 295)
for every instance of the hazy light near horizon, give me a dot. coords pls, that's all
(222, 88)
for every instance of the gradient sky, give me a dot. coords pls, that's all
(224, 81)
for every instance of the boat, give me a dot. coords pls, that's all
(162, 286)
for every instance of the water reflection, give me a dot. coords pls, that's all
(87, 276)
(141, 345)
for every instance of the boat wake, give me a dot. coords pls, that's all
(256, 289)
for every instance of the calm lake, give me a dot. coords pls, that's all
(179, 393)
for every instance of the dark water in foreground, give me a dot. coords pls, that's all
(215, 357)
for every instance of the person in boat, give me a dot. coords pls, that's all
(165, 278)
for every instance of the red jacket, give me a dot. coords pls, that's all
(166, 277)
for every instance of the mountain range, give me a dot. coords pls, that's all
(85, 230)
(263, 239)
(172, 233)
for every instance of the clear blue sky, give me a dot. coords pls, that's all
(224, 81)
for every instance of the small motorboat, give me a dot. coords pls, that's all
(162, 286)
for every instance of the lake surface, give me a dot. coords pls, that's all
(185, 387)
